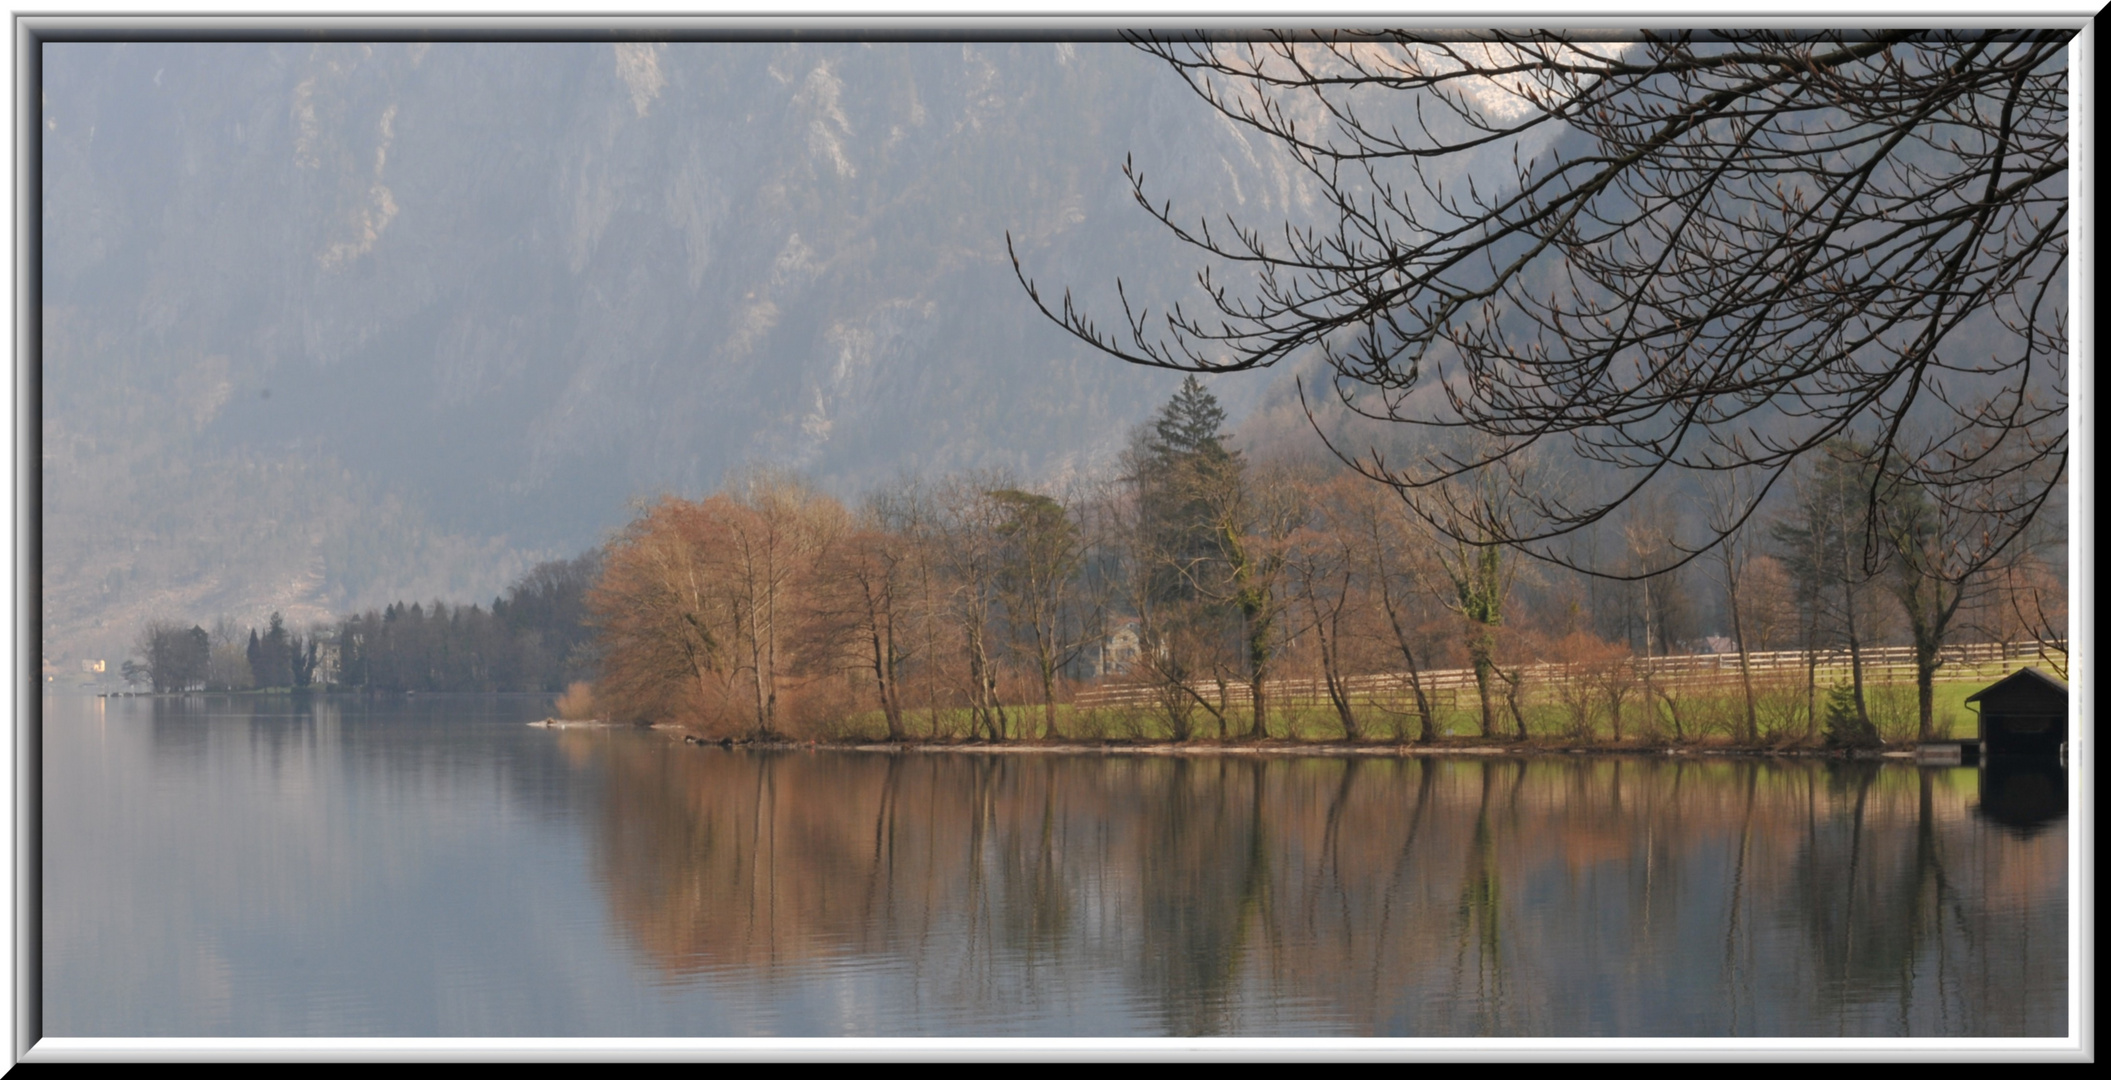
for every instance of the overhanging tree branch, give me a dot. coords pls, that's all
(1712, 253)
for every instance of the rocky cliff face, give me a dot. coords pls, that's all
(330, 324)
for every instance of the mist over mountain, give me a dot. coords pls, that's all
(329, 325)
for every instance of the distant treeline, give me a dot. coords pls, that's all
(176, 658)
(1201, 579)
(533, 638)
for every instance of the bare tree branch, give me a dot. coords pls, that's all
(1713, 253)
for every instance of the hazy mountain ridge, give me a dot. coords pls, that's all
(331, 324)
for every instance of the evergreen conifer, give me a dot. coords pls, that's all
(1844, 725)
(1185, 477)
(1190, 425)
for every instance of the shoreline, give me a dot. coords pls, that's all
(1266, 749)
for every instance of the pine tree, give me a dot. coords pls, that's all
(1190, 425)
(1184, 478)
(271, 658)
(1844, 725)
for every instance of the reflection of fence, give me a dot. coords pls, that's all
(1888, 664)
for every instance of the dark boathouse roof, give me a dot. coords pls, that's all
(2026, 686)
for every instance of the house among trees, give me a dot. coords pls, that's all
(329, 667)
(2023, 714)
(1119, 653)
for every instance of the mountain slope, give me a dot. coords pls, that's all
(328, 324)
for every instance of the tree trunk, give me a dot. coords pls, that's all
(1481, 651)
(1854, 659)
(1925, 661)
(1744, 671)
(1259, 689)
(1257, 627)
(1428, 733)
(1048, 705)
(1338, 694)
(1340, 697)
(890, 699)
(762, 704)
(1861, 701)
(1330, 671)
(981, 717)
(1929, 619)
(1678, 725)
(1517, 713)
(1810, 692)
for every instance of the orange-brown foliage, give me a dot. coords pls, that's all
(701, 608)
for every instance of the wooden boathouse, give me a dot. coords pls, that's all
(2022, 715)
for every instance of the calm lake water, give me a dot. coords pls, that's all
(240, 866)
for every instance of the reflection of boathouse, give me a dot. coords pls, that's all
(2024, 714)
(2022, 793)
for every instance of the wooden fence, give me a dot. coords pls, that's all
(1885, 665)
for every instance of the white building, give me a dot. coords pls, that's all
(1120, 651)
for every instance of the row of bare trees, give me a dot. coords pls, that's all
(1203, 578)
(1750, 262)
(774, 610)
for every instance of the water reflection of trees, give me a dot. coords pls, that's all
(438, 743)
(1910, 906)
(1358, 896)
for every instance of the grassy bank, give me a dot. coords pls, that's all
(1697, 721)
(1556, 714)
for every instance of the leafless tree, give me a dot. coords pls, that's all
(910, 509)
(775, 533)
(1041, 555)
(661, 613)
(1948, 549)
(862, 604)
(228, 667)
(1733, 562)
(1394, 554)
(1481, 578)
(2031, 604)
(1822, 542)
(1714, 251)
(1255, 518)
(1324, 567)
(966, 532)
